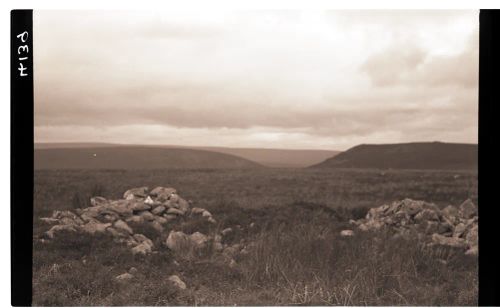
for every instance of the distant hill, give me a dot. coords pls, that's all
(136, 157)
(421, 155)
(278, 157)
(268, 157)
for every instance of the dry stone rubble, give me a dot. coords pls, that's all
(156, 208)
(452, 226)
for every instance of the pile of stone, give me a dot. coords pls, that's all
(452, 226)
(157, 208)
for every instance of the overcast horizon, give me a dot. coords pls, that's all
(325, 80)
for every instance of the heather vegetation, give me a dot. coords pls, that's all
(289, 222)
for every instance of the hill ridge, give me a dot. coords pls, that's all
(412, 155)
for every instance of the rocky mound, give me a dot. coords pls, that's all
(157, 209)
(452, 226)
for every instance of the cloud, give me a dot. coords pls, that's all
(291, 79)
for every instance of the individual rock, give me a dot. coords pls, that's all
(431, 227)
(199, 239)
(149, 201)
(157, 226)
(450, 211)
(412, 207)
(120, 207)
(217, 246)
(177, 241)
(143, 249)
(124, 277)
(70, 221)
(49, 220)
(363, 227)
(174, 197)
(162, 193)
(142, 238)
(114, 232)
(426, 215)
(175, 211)
(206, 214)
(139, 192)
(346, 233)
(459, 230)
(472, 236)
(233, 263)
(109, 217)
(177, 282)
(170, 217)
(93, 228)
(445, 227)
(448, 241)
(232, 251)
(226, 231)
(146, 215)
(122, 226)
(473, 251)
(183, 205)
(88, 219)
(59, 228)
(96, 201)
(158, 210)
(133, 270)
(135, 219)
(197, 210)
(138, 206)
(211, 220)
(467, 209)
(161, 220)
(64, 214)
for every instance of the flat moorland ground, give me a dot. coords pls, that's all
(298, 256)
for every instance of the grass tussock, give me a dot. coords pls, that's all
(290, 221)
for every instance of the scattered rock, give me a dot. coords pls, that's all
(177, 282)
(124, 277)
(346, 233)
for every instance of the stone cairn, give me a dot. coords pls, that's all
(157, 208)
(452, 226)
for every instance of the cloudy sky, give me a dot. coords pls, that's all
(272, 79)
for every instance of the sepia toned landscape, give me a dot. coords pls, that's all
(264, 159)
